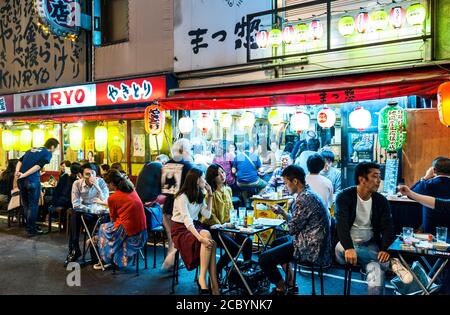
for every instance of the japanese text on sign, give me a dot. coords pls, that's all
(126, 92)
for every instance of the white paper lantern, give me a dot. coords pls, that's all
(185, 124)
(300, 121)
(326, 117)
(248, 119)
(205, 122)
(360, 118)
(288, 34)
(225, 120)
(38, 138)
(262, 38)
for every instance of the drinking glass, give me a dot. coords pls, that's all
(408, 234)
(441, 234)
(241, 215)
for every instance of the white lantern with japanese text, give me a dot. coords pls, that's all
(275, 37)
(416, 14)
(205, 122)
(262, 38)
(346, 25)
(397, 17)
(316, 29)
(326, 117)
(360, 118)
(379, 20)
(301, 32)
(362, 22)
(101, 138)
(300, 121)
(185, 124)
(288, 34)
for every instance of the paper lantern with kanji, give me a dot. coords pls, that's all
(205, 122)
(300, 121)
(443, 96)
(392, 127)
(416, 14)
(75, 138)
(274, 117)
(288, 34)
(7, 140)
(262, 38)
(225, 120)
(346, 25)
(26, 137)
(362, 22)
(185, 124)
(316, 29)
(397, 17)
(101, 138)
(248, 120)
(326, 117)
(275, 37)
(154, 119)
(360, 118)
(379, 20)
(38, 138)
(302, 32)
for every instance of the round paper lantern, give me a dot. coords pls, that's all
(16, 140)
(300, 121)
(362, 22)
(38, 138)
(205, 122)
(346, 25)
(225, 120)
(275, 37)
(288, 34)
(248, 119)
(379, 20)
(115, 137)
(316, 29)
(262, 38)
(101, 138)
(416, 14)
(443, 96)
(274, 117)
(76, 138)
(301, 32)
(397, 17)
(26, 136)
(185, 124)
(7, 140)
(360, 118)
(326, 117)
(392, 127)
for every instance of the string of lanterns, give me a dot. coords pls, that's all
(364, 21)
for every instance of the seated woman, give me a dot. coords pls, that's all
(195, 243)
(7, 183)
(220, 214)
(126, 234)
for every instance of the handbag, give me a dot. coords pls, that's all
(153, 216)
(15, 201)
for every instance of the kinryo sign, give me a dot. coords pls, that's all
(60, 17)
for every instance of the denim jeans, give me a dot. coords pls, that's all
(30, 192)
(367, 256)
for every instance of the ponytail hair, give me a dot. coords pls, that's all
(120, 180)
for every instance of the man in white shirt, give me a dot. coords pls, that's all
(318, 183)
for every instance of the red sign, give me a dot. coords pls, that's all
(131, 91)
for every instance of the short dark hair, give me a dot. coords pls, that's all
(52, 142)
(363, 169)
(294, 172)
(75, 168)
(211, 173)
(66, 163)
(313, 144)
(328, 155)
(315, 163)
(105, 167)
(117, 166)
(246, 146)
(441, 165)
(91, 166)
(190, 186)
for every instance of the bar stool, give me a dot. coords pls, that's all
(159, 229)
(176, 270)
(348, 270)
(311, 266)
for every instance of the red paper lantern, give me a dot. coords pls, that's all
(397, 17)
(154, 119)
(316, 29)
(262, 38)
(362, 22)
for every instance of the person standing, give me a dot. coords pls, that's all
(331, 172)
(318, 183)
(29, 181)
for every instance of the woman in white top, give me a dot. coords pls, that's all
(190, 238)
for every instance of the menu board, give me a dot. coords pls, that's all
(390, 176)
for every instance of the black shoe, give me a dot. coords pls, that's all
(73, 256)
(35, 233)
(203, 291)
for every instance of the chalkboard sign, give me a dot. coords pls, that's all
(390, 177)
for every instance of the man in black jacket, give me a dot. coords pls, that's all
(365, 229)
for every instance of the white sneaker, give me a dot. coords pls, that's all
(99, 266)
(404, 275)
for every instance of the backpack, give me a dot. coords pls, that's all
(153, 215)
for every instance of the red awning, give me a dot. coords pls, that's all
(331, 90)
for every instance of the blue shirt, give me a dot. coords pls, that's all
(35, 156)
(247, 171)
(438, 187)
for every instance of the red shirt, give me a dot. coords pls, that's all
(126, 209)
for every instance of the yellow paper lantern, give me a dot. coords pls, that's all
(101, 138)
(26, 136)
(7, 140)
(38, 138)
(443, 96)
(274, 117)
(76, 138)
(16, 140)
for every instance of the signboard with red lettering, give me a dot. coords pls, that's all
(131, 91)
(60, 98)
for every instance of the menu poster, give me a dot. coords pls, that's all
(139, 145)
(362, 144)
(390, 177)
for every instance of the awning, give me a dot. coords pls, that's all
(330, 90)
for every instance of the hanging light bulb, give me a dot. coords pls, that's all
(274, 117)
(205, 122)
(360, 118)
(416, 14)
(326, 117)
(397, 17)
(379, 20)
(362, 22)
(346, 25)
(185, 124)
(225, 120)
(300, 121)
(288, 34)
(248, 119)
(262, 38)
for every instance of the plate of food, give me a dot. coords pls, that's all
(441, 246)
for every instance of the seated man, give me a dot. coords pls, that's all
(365, 229)
(309, 229)
(62, 195)
(86, 191)
(276, 176)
